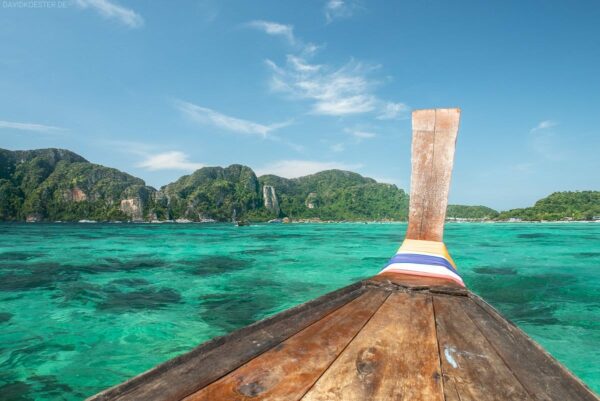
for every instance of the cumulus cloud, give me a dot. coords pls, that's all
(113, 10)
(29, 127)
(299, 168)
(173, 160)
(206, 116)
(275, 29)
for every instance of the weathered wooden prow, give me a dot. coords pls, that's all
(433, 143)
(423, 255)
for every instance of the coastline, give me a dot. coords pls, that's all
(298, 221)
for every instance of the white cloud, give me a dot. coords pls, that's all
(286, 32)
(299, 168)
(173, 160)
(360, 135)
(29, 127)
(275, 29)
(333, 92)
(110, 9)
(393, 111)
(206, 116)
(544, 125)
(336, 9)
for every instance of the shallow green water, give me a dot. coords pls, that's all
(83, 307)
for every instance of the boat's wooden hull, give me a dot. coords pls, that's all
(392, 337)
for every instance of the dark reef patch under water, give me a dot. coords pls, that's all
(500, 271)
(587, 254)
(112, 264)
(217, 265)
(49, 385)
(537, 314)
(259, 251)
(120, 295)
(146, 298)
(533, 235)
(22, 277)
(522, 289)
(5, 317)
(20, 256)
(243, 302)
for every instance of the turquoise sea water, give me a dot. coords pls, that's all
(86, 306)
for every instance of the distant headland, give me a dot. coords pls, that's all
(59, 185)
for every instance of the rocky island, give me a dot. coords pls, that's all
(59, 185)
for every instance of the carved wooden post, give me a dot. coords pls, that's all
(433, 143)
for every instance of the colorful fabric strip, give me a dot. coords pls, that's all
(427, 248)
(424, 258)
(421, 259)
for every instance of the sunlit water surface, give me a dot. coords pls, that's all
(86, 306)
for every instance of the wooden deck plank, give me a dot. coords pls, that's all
(183, 375)
(287, 371)
(538, 371)
(394, 357)
(472, 369)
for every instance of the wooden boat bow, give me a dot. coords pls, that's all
(412, 332)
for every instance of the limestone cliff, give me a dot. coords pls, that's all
(311, 200)
(270, 199)
(132, 207)
(75, 194)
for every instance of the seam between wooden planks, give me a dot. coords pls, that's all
(345, 347)
(515, 331)
(425, 203)
(478, 327)
(363, 292)
(437, 341)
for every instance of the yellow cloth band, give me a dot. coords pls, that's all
(428, 247)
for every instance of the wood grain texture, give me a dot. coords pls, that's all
(472, 369)
(181, 376)
(433, 144)
(433, 284)
(539, 372)
(394, 357)
(287, 371)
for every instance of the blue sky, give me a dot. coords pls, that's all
(160, 88)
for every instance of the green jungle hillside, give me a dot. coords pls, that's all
(59, 185)
(578, 205)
